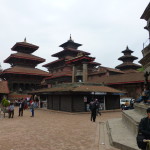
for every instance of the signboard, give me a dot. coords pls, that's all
(118, 93)
(98, 93)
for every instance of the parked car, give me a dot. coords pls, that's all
(124, 100)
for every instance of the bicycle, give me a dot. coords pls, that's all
(148, 144)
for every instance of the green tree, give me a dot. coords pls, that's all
(5, 102)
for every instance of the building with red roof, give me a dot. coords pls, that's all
(23, 76)
(82, 77)
(75, 65)
(128, 59)
(61, 69)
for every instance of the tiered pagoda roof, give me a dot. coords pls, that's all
(69, 48)
(62, 68)
(71, 51)
(127, 61)
(24, 47)
(19, 55)
(70, 44)
(25, 71)
(24, 62)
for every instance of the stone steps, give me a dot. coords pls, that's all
(119, 135)
(123, 131)
(141, 108)
(131, 119)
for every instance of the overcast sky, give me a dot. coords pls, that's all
(104, 27)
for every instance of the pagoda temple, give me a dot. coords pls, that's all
(69, 89)
(128, 59)
(72, 65)
(23, 77)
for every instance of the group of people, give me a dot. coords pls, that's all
(22, 106)
(94, 107)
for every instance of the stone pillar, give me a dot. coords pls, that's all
(73, 73)
(84, 72)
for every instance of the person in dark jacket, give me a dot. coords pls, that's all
(93, 107)
(144, 130)
(21, 107)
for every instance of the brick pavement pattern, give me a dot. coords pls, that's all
(53, 131)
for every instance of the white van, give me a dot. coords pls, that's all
(123, 101)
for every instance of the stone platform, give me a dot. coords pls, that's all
(122, 132)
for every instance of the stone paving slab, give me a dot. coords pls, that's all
(133, 115)
(52, 131)
(120, 136)
(131, 119)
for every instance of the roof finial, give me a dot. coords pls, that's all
(70, 37)
(25, 40)
(127, 47)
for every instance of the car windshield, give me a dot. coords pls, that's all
(124, 100)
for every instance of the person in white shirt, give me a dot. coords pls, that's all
(11, 110)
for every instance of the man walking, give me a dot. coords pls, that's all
(93, 108)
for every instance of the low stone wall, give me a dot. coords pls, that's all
(141, 108)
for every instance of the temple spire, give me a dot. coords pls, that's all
(25, 40)
(70, 44)
(70, 37)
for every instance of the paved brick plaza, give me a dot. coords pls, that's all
(52, 131)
